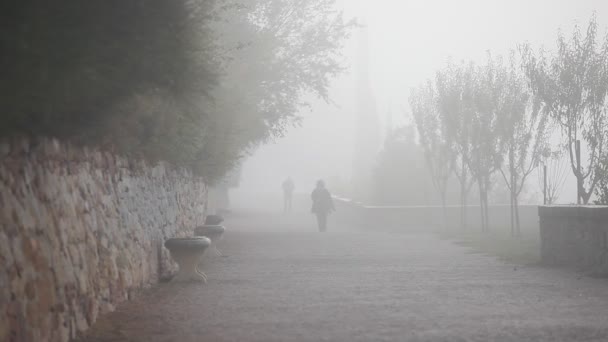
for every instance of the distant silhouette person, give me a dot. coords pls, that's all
(322, 204)
(288, 187)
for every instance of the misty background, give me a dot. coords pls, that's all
(399, 45)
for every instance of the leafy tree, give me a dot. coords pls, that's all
(573, 86)
(601, 191)
(193, 82)
(274, 52)
(524, 129)
(454, 86)
(437, 149)
(68, 66)
(469, 119)
(486, 145)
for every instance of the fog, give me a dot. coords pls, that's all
(304, 170)
(408, 42)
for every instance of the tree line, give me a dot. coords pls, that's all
(196, 83)
(475, 120)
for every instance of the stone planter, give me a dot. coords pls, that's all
(575, 236)
(213, 232)
(213, 220)
(187, 252)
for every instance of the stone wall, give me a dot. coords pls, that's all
(427, 218)
(81, 231)
(575, 236)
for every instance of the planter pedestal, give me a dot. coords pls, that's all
(213, 232)
(187, 252)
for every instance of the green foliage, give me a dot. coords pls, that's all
(462, 111)
(67, 64)
(524, 128)
(496, 116)
(272, 53)
(438, 150)
(454, 98)
(123, 75)
(573, 86)
(473, 120)
(521, 130)
(486, 101)
(601, 190)
(192, 82)
(279, 51)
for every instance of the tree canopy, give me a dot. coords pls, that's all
(572, 84)
(499, 115)
(192, 82)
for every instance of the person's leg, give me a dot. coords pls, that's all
(322, 219)
(319, 221)
(289, 201)
(285, 198)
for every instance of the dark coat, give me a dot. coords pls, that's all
(322, 203)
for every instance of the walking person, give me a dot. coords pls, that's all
(288, 187)
(322, 205)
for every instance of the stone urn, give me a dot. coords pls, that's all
(187, 252)
(214, 219)
(213, 232)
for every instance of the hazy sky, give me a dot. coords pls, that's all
(413, 38)
(409, 40)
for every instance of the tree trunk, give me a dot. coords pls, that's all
(463, 197)
(513, 203)
(486, 206)
(481, 204)
(512, 188)
(517, 224)
(578, 174)
(445, 212)
(586, 195)
(512, 209)
(464, 214)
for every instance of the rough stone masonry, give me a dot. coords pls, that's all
(81, 230)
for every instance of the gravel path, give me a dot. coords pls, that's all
(298, 285)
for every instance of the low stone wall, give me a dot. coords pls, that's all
(81, 230)
(575, 236)
(428, 218)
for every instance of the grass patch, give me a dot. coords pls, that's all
(523, 250)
